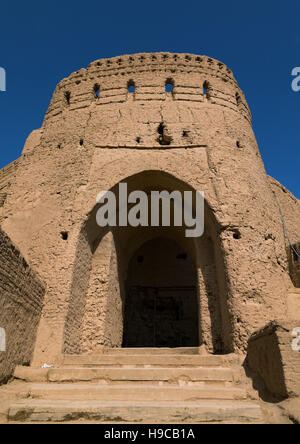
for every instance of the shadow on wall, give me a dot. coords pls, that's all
(294, 263)
(272, 363)
(21, 302)
(161, 297)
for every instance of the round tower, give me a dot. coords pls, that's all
(162, 121)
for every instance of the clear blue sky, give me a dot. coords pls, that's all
(43, 42)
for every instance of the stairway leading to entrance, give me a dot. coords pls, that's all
(136, 386)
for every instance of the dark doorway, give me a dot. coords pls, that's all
(161, 308)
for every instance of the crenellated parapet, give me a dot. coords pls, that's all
(143, 78)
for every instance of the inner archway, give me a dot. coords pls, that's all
(161, 308)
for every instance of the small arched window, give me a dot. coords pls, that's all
(131, 86)
(96, 90)
(169, 86)
(238, 100)
(67, 97)
(206, 90)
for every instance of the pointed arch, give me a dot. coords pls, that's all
(101, 270)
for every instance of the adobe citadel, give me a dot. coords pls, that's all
(147, 306)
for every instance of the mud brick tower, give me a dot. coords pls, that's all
(156, 122)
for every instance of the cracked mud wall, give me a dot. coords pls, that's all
(21, 302)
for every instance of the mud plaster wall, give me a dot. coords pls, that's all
(7, 177)
(270, 355)
(89, 143)
(21, 301)
(290, 208)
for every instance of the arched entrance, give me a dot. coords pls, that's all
(161, 308)
(107, 275)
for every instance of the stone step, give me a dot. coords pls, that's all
(133, 392)
(142, 360)
(152, 351)
(138, 412)
(184, 375)
(171, 375)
